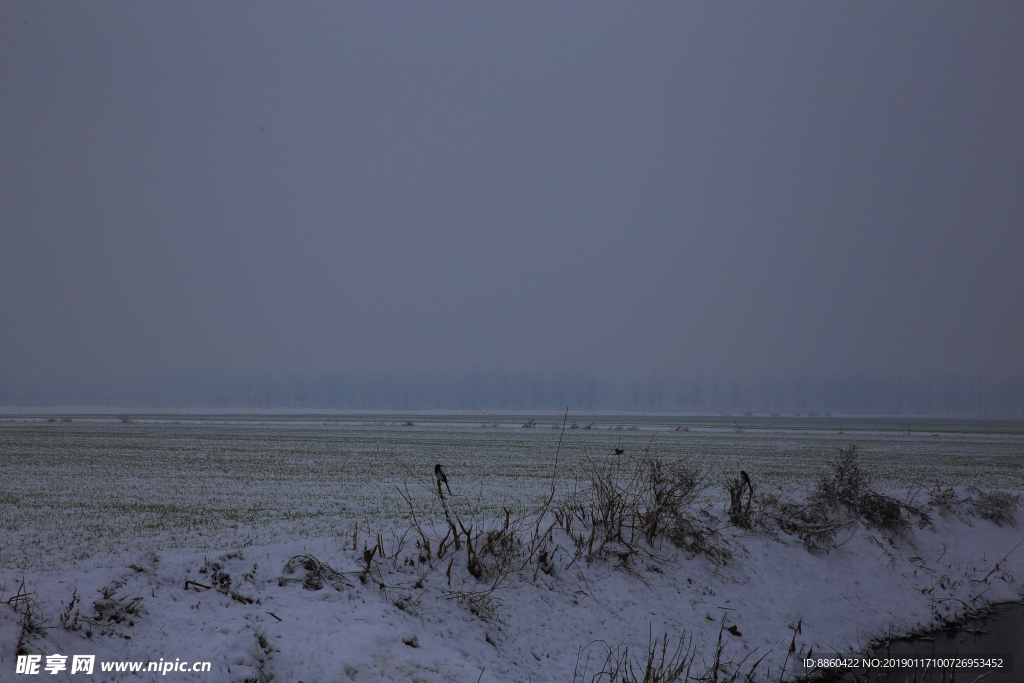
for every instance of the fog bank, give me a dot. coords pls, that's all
(859, 394)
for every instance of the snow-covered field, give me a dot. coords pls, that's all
(199, 516)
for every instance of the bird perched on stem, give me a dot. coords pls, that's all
(441, 479)
(746, 479)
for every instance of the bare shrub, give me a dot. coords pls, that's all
(817, 521)
(634, 506)
(847, 484)
(496, 547)
(842, 497)
(848, 481)
(999, 507)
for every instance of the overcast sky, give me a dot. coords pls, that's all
(737, 188)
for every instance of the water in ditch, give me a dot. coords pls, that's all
(995, 640)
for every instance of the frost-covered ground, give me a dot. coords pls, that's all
(200, 519)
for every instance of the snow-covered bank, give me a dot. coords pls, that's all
(541, 622)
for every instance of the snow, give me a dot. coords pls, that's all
(537, 625)
(542, 628)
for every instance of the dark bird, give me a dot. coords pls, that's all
(441, 479)
(746, 479)
(619, 451)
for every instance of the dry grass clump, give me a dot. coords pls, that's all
(112, 608)
(317, 574)
(31, 625)
(661, 665)
(498, 547)
(999, 507)
(819, 526)
(110, 611)
(946, 502)
(658, 666)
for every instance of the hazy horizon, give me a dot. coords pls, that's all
(900, 394)
(742, 191)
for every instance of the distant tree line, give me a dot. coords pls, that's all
(864, 394)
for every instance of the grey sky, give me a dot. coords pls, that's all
(753, 188)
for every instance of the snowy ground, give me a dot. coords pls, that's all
(232, 602)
